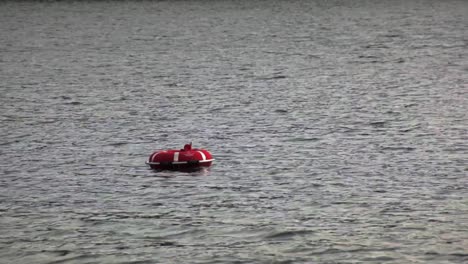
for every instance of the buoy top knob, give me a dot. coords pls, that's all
(188, 147)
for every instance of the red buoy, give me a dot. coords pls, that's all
(183, 159)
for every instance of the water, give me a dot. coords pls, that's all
(339, 129)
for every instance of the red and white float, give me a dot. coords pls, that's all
(183, 159)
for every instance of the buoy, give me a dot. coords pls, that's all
(180, 160)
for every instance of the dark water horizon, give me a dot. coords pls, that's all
(339, 130)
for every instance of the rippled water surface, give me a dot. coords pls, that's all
(340, 130)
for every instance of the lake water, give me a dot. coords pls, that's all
(339, 128)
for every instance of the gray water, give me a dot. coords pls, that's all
(339, 128)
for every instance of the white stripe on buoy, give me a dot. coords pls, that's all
(202, 155)
(176, 156)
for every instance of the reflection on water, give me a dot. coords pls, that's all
(339, 131)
